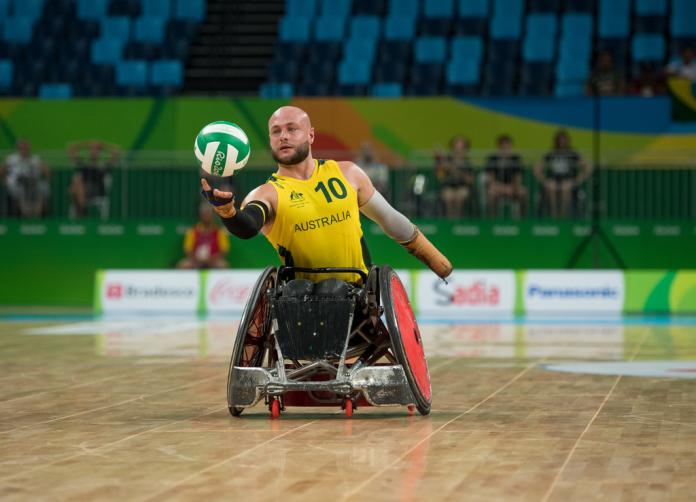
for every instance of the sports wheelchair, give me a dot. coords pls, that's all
(332, 343)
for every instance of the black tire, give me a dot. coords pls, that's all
(405, 337)
(256, 315)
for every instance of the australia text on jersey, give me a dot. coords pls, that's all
(322, 222)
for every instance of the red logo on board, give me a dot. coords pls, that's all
(114, 291)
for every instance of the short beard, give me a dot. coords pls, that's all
(301, 153)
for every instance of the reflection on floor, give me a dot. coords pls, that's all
(522, 409)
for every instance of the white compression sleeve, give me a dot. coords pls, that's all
(394, 224)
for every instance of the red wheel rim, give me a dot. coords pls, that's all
(410, 337)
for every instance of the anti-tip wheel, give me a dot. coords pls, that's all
(275, 408)
(235, 411)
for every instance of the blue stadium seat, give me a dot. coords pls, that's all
(430, 50)
(536, 79)
(571, 70)
(131, 73)
(618, 48)
(192, 10)
(28, 8)
(466, 49)
(55, 91)
(294, 29)
(148, 29)
(648, 48)
(473, 8)
(614, 18)
(651, 7)
(330, 28)
(116, 27)
(387, 90)
(463, 72)
(18, 29)
(106, 51)
(542, 26)
(91, 9)
(472, 17)
(505, 26)
(159, 8)
(404, 8)
(365, 27)
(6, 73)
(284, 71)
(575, 48)
(568, 90)
(166, 73)
(577, 25)
(511, 8)
(437, 16)
(682, 23)
(329, 50)
(301, 8)
(535, 49)
(356, 49)
(335, 8)
(276, 90)
(399, 28)
(354, 72)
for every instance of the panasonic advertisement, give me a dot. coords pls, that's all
(573, 291)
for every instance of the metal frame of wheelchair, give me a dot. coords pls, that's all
(377, 358)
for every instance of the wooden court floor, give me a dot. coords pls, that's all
(135, 410)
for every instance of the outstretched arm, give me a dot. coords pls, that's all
(255, 214)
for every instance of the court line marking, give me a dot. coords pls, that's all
(427, 438)
(92, 451)
(76, 386)
(106, 407)
(560, 472)
(158, 494)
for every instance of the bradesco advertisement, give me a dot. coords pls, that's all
(476, 292)
(573, 291)
(227, 291)
(154, 291)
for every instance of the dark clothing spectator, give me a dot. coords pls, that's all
(684, 67)
(94, 161)
(648, 83)
(456, 176)
(504, 178)
(605, 79)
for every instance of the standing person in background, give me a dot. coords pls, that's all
(26, 177)
(605, 79)
(456, 177)
(376, 170)
(93, 160)
(504, 178)
(205, 244)
(561, 172)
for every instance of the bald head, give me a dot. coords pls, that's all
(291, 135)
(289, 114)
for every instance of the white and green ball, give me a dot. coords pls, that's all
(222, 148)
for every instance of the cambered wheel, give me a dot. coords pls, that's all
(405, 337)
(254, 327)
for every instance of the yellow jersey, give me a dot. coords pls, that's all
(317, 222)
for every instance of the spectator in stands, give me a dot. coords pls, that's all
(684, 67)
(376, 170)
(94, 160)
(456, 176)
(205, 244)
(605, 79)
(504, 178)
(648, 83)
(26, 178)
(560, 172)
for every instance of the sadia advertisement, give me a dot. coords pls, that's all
(573, 291)
(466, 293)
(149, 291)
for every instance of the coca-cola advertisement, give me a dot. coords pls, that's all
(466, 293)
(227, 291)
